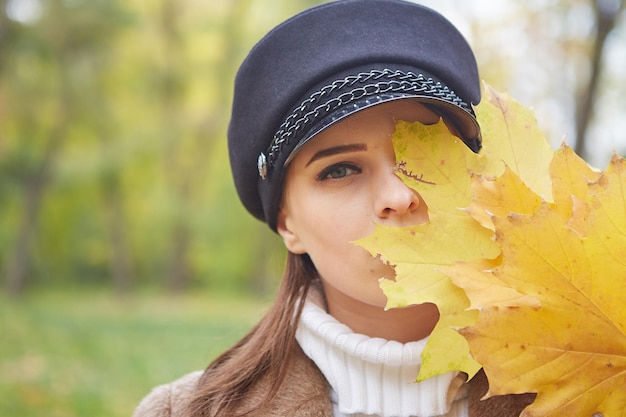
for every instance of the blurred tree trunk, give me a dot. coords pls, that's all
(172, 96)
(182, 166)
(606, 14)
(115, 218)
(33, 186)
(171, 91)
(5, 33)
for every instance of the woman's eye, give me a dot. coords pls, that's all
(338, 171)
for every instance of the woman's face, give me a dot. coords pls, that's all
(338, 186)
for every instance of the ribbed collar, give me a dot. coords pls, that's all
(373, 376)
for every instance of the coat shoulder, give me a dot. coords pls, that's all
(169, 400)
(498, 406)
(303, 393)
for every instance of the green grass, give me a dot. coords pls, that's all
(92, 354)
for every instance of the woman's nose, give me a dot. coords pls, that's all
(394, 198)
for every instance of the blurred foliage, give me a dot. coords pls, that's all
(113, 161)
(113, 114)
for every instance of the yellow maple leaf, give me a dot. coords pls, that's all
(571, 350)
(435, 166)
(571, 176)
(438, 166)
(511, 136)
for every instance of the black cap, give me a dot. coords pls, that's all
(333, 60)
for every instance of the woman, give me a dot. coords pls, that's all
(314, 107)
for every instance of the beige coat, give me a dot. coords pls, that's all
(304, 393)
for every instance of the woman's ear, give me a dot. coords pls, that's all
(290, 237)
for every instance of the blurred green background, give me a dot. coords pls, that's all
(126, 258)
(67, 353)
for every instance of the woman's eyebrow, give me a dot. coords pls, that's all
(354, 147)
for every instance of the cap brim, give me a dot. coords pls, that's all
(463, 123)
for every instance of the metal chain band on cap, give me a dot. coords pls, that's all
(376, 82)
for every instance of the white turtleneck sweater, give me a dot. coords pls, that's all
(373, 376)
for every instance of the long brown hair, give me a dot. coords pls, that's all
(262, 352)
